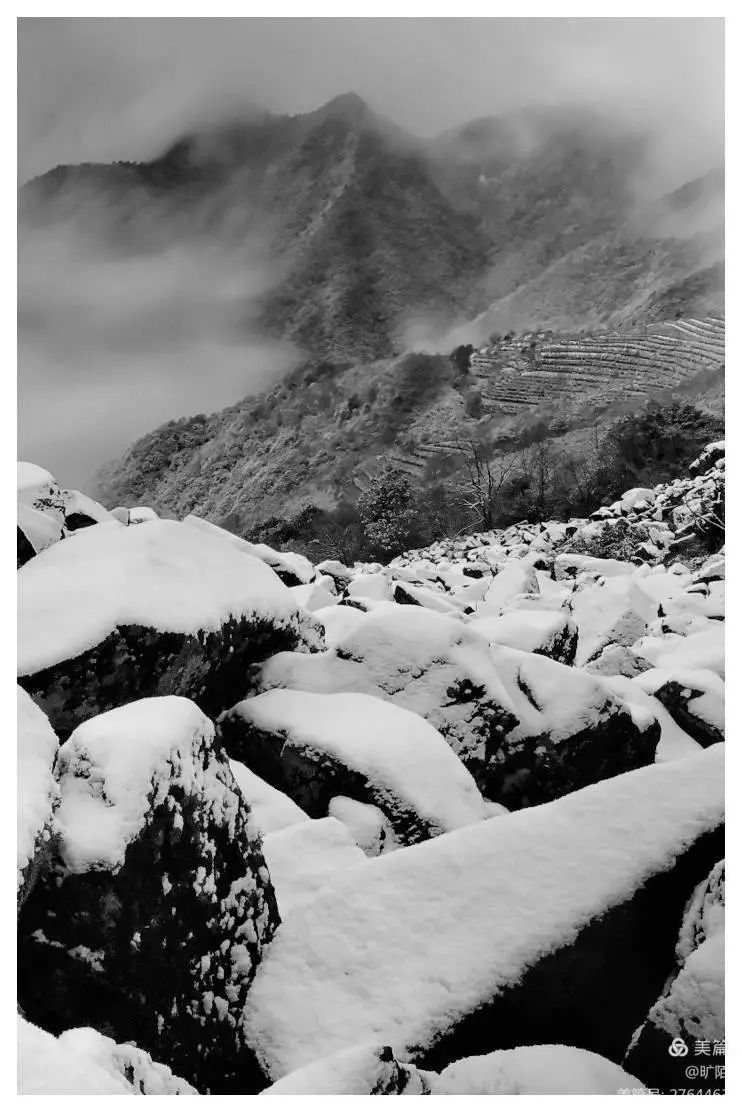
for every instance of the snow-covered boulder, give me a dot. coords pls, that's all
(533, 1070)
(516, 577)
(637, 498)
(302, 857)
(674, 742)
(152, 921)
(37, 792)
(568, 565)
(316, 746)
(360, 1071)
(270, 809)
(465, 942)
(538, 1070)
(573, 730)
(692, 1006)
(290, 567)
(35, 531)
(338, 572)
(314, 596)
(38, 489)
(81, 511)
(694, 698)
(118, 613)
(612, 611)
(367, 825)
(549, 633)
(82, 1062)
(428, 663)
(617, 660)
(526, 727)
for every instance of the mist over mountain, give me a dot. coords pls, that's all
(246, 247)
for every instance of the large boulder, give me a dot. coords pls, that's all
(426, 662)
(290, 567)
(301, 858)
(549, 633)
(534, 1070)
(694, 698)
(538, 1070)
(82, 1062)
(573, 730)
(316, 746)
(690, 1012)
(464, 944)
(37, 792)
(527, 728)
(116, 613)
(151, 921)
(360, 1071)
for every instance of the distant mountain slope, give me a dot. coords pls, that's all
(339, 203)
(361, 229)
(320, 436)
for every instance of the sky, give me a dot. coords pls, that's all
(102, 89)
(107, 352)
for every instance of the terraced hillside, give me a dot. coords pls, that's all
(527, 371)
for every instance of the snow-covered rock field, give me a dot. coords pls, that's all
(451, 825)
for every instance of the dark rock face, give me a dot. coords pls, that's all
(313, 778)
(26, 550)
(593, 991)
(676, 698)
(691, 1009)
(161, 950)
(135, 662)
(79, 521)
(537, 769)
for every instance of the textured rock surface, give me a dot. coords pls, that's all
(151, 923)
(119, 613)
(692, 1006)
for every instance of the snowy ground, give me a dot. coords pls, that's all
(434, 799)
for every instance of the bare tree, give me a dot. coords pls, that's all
(485, 477)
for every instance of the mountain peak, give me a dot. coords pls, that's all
(348, 106)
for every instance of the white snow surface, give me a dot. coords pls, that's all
(399, 951)
(537, 1070)
(525, 629)
(41, 529)
(36, 786)
(271, 809)
(161, 574)
(287, 561)
(368, 825)
(394, 748)
(359, 1071)
(115, 768)
(82, 1062)
(303, 857)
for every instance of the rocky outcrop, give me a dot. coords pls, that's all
(152, 919)
(527, 728)
(118, 613)
(317, 746)
(585, 892)
(685, 1027)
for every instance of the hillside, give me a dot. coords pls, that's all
(361, 231)
(320, 436)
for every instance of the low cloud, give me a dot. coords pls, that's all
(111, 345)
